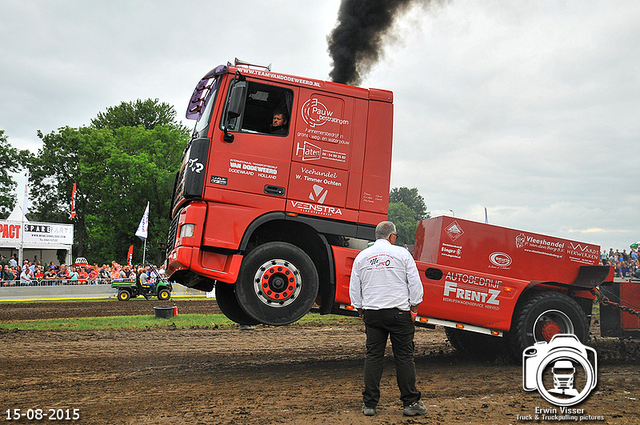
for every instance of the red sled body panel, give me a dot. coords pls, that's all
(501, 251)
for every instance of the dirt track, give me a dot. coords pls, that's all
(287, 375)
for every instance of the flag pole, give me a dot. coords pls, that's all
(144, 252)
(25, 211)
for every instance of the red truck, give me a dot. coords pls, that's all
(273, 219)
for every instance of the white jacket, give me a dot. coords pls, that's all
(385, 276)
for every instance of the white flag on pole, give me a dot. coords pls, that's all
(143, 228)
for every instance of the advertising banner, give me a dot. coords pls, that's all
(48, 233)
(12, 233)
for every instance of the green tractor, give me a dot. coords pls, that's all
(128, 288)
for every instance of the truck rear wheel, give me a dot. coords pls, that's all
(277, 284)
(228, 304)
(544, 315)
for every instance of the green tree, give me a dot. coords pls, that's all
(11, 161)
(147, 113)
(69, 156)
(412, 199)
(406, 208)
(140, 168)
(117, 170)
(406, 224)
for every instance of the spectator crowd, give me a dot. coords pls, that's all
(626, 264)
(31, 273)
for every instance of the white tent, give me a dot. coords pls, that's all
(16, 214)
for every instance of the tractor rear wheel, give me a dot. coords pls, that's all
(278, 283)
(544, 315)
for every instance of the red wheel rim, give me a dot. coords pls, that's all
(550, 329)
(277, 283)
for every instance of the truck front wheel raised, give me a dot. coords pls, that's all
(544, 315)
(277, 284)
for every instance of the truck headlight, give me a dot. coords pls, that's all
(187, 230)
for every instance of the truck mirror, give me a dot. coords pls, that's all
(235, 100)
(234, 107)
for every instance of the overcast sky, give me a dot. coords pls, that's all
(530, 109)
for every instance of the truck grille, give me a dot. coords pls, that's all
(189, 182)
(173, 229)
(179, 189)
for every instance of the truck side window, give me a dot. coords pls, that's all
(266, 110)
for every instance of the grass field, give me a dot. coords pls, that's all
(181, 321)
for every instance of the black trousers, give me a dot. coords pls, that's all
(399, 326)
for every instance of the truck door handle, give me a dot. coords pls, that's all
(273, 190)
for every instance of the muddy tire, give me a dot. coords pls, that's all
(228, 304)
(544, 315)
(124, 295)
(277, 284)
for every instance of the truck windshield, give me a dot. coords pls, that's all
(203, 119)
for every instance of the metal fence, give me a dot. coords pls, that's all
(54, 282)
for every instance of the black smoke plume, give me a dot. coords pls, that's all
(355, 44)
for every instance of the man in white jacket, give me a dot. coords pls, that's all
(386, 289)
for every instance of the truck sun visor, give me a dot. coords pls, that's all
(199, 98)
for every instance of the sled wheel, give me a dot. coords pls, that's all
(475, 344)
(123, 295)
(452, 336)
(164, 294)
(277, 284)
(544, 315)
(228, 304)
